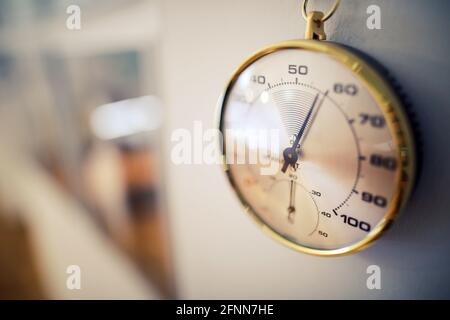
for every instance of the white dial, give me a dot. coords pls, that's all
(338, 164)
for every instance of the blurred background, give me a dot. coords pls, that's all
(86, 117)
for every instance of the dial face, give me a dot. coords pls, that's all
(310, 151)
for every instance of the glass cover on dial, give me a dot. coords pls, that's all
(337, 163)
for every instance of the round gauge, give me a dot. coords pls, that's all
(317, 146)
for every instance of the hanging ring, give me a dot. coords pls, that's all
(326, 16)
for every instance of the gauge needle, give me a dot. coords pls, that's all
(291, 208)
(290, 154)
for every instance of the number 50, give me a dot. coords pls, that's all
(295, 69)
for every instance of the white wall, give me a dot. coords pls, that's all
(219, 251)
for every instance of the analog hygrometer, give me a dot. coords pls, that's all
(345, 156)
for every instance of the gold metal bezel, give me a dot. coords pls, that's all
(395, 117)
